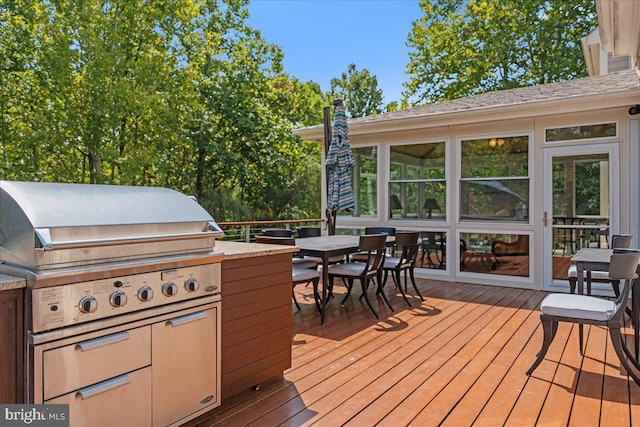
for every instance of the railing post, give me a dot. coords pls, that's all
(247, 233)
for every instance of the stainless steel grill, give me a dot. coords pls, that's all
(135, 263)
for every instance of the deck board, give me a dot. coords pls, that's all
(456, 359)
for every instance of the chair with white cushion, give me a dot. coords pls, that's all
(373, 248)
(305, 275)
(407, 242)
(588, 310)
(317, 232)
(618, 241)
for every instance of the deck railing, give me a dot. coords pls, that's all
(247, 230)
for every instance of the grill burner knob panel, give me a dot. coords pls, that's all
(191, 285)
(94, 300)
(145, 294)
(88, 304)
(118, 299)
(169, 289)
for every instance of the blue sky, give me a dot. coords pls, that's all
(320, 38)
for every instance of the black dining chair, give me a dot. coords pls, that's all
(407, 242)
(277, 232)
(302, 271)
(588, 310)
(317, 232)
(373, 246)
(389, 231)
(431, 243)
(309, 232)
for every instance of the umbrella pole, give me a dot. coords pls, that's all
(331, 210)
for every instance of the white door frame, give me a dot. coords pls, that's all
(548, 153)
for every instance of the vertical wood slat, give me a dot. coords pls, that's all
(11, 346)
(256, 296)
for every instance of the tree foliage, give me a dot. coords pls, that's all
(182, 94)
(359, 90)
(465, 47)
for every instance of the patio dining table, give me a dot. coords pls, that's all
(326, 247)
(594, 259)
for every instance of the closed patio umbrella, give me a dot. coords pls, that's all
(339, 163)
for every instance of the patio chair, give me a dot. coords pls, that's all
(373, 246)
(500, 248)
(277, 232)
(309, 232)
(430, 243)
(305, 275)
(302, 271)
(618, 241)
(317, 232)
(588, 310)
(408, 243)
(389, 231)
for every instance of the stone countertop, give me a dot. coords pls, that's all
(238, 250)
(11, 282)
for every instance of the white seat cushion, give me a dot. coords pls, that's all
(578, 307)
(303, 274)
(304, 263)
(332, 259)
(391, 262)
(595, 275)
(349, 269)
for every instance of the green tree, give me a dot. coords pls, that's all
(465, 47)
(359, 90)
(181, 94)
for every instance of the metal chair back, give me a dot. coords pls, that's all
(277, 232)
(309, 232)
(374, 245)
(620, 241)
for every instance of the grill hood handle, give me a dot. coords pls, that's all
(45, 243)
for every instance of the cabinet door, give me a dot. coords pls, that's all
(185, 366)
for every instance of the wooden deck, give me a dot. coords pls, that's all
(457, 359)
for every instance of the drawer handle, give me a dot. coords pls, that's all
(104, 386)
(188, 318)
(102, 341)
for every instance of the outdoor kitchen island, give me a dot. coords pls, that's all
(256, 320)
(256, 315)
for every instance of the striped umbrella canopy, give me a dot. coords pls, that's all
(339, 163)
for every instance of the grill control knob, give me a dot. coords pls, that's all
(118, 299)
(88, 304)
(145, 293)
(169, 289)
(191, 285)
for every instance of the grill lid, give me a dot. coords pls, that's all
(90, 223)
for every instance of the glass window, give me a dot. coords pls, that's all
(433, 250)
(364, 177)
(494, 181)
(417, 186)
(581, 132)
(503, 254)
(580, 186)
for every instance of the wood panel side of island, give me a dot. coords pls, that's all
(256, 321)
(11, 346)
